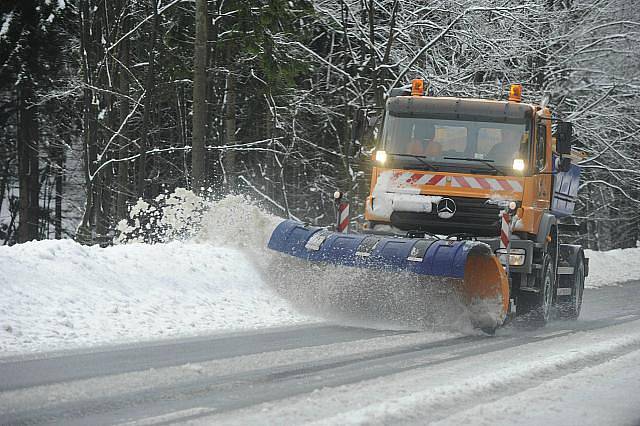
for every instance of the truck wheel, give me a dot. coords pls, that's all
(570, 309)
(535, 308)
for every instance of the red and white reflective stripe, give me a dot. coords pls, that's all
(411, 180)
(343, 217)
(410, 183)
(486, 183)
(416, 179)
(505, 230)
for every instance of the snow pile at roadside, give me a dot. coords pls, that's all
(59, 294)
(612, 267)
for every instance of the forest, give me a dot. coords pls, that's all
(106, 102)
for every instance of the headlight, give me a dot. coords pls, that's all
(518, 164)
(381, 157)
(516, 256)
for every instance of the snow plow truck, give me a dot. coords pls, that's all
(470, 192)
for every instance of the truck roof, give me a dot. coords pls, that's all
(459, 108)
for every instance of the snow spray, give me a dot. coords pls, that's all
(336, 293)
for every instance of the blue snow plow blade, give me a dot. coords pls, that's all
(434, 257)
(468, 266)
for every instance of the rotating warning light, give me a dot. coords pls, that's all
(417, 87)
(515, 93)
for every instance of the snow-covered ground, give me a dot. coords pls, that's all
(62, 294)
(59, 294)
(612, 267)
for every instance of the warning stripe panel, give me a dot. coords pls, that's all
(414, 178)
(505, 231)
(343, 217)
(410, 179)
(517, 187)
(462, 181)
(484, 184)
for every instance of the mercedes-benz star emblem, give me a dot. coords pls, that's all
(446, 208)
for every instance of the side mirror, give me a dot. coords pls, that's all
(564, 134)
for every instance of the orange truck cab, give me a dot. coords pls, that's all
(487, 170)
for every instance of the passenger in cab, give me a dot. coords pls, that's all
(505, 151)
(423, 142)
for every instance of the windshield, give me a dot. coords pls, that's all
(455, 142)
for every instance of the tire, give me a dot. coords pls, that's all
(536, 309)
(570, 309)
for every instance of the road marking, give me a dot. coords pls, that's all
(552, 333)
(170, 417)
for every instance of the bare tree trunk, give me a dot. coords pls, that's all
(230, 131)
(346, 134)
(4, 178)
(103, 204)
(45, 214)
(150, 82)
(89, 131)
(123, 166)
(198, 154)
(59, 181)
(28, 133)
(28, 165)
(372, 53)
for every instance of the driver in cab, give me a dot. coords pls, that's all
(424, 144)
(505, 151)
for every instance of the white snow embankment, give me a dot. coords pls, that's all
(612, 267)
(60, 294)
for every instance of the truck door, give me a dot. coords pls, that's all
(542, 160)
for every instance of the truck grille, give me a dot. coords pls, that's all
(473, 216)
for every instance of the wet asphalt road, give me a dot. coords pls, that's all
(186, 379)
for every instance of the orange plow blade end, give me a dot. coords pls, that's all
(486, 289)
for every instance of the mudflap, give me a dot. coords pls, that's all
(466, 268)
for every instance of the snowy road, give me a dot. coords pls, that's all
(582, 372)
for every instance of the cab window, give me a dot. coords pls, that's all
(453, 140)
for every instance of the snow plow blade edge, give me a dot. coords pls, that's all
(480, 277)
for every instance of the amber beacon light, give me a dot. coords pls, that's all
(515, 93)
(417, 87)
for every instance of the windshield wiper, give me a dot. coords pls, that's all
(478, 160)
(420, 158)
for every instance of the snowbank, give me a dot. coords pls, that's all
(59, 294)
(612, 267)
